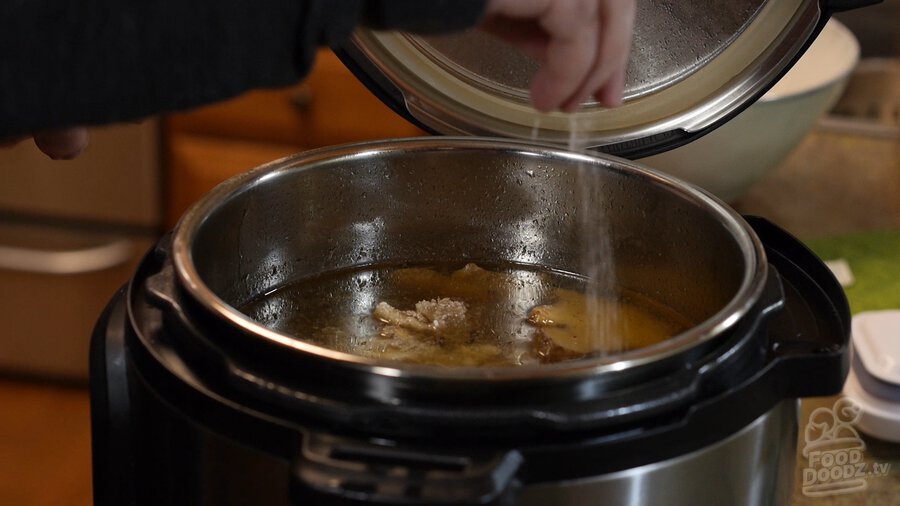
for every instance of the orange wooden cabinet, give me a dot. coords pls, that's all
(210, 144)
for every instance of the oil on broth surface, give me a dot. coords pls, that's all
(449, 316)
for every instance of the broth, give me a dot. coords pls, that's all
(450, 316)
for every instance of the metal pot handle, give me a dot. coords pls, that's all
(807, 360)
(331, 470)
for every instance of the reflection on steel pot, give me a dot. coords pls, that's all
(194, 403)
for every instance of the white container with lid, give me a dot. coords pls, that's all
(874, 380)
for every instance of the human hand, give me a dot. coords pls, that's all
(582, 46)
(57, 144)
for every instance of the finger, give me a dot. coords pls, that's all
(608, 70)
(610, 94)
(591, 84)
(617, 18)
(570, 53)
(62, 144)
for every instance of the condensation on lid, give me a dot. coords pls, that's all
(672, 40)
(693, 66)
(876, 340)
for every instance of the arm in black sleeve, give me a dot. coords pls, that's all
(101, 61)
(423, 16)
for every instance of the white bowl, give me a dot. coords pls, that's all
(727, 161)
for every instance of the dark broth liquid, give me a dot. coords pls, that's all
(336, 311)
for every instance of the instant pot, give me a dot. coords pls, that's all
(195, 403)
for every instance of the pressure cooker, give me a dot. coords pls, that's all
(193, 402)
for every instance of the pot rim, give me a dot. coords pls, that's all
(749, 292)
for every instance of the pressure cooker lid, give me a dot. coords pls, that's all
(693, 66)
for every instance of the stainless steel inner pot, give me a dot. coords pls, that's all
(468, 199)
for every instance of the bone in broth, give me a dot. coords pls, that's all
(467, 316)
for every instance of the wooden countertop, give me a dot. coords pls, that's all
(45, 444)
(834, 183)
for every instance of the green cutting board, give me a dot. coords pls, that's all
(874, 258)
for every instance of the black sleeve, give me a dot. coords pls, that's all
(421, 16)
(91, 62)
